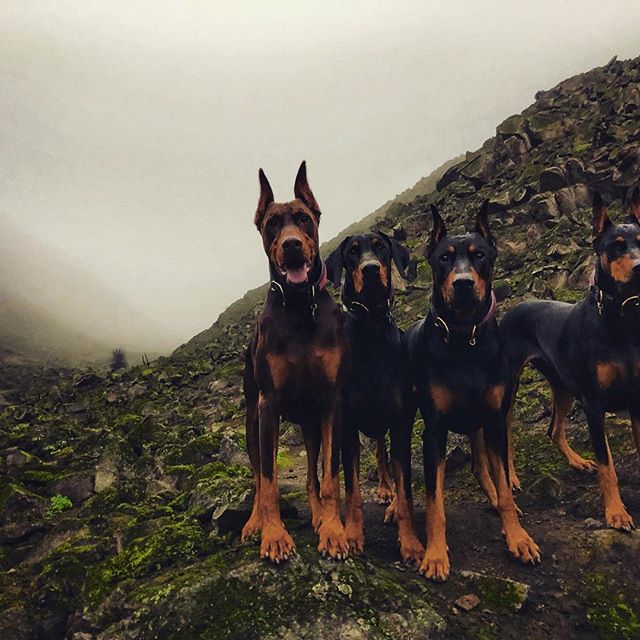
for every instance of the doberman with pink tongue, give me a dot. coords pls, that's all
(459, 373)
(295, 369)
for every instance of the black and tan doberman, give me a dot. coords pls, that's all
(295, 369)
(377, 397)
(459, 372)
(590, 350)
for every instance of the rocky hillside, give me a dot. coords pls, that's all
(121, 496)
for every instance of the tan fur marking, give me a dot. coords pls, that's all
(331, 361)
(279, 369)
(607, 372)
(358, 280)
(622, 268)
(384, 276)
(479, 283)
(494, 396)
(442, 397)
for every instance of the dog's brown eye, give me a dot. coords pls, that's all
(272, 222)
(303, 218)
(620, 245)
(444, 257)
(353, 250)
(479, 255)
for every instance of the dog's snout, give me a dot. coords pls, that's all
(371, 268)
(292, 243)
(463, 284)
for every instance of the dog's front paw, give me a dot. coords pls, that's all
(355, 538)
(522, 547)
(411, 549)
(333, 539)
(435, 564)
(618, 518)
(276, 544)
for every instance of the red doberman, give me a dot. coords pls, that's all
(295, 368)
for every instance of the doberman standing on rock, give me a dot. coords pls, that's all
(589, 350)
(459, 372)
(377, 397)
(295, 369)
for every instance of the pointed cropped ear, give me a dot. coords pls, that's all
(335, 263)
(303, 192)
(482, 223)
(266, 198)
(600, 218)
(399, 254)
(634, 205)
(438, 232)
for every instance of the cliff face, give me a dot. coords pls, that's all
(121, 496)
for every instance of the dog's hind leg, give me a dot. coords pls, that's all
(520, 544)
(562, 400)
(401, 509)
(353, 498)
(253, 447)
(385, 486)
(311, 435)
(480, 466)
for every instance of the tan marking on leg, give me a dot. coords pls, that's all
(442, 397)
(520, 544)
(333, 539)
(312, 446)
(435, 563)
(614, 510)
(481, 467)
(353, 516)
(385, 486)
(401, 509)
(494, 397)
(276, 543)
(561, 405)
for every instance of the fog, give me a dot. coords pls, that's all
(131, 132)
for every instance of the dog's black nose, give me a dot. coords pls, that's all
(291, 244)
(463, 284)
(371, 269)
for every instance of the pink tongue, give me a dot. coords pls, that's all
(296, 276)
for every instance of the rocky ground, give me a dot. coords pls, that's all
(122, 494)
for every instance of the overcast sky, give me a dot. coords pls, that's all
(131, 132)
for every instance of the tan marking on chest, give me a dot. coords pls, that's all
(279, 368)
(608, 372)
(442, 397)
(494, 396)
(331, 361)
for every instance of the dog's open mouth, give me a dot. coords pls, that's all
(296, 273)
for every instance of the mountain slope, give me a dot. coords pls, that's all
(122, 497)
(57, 310)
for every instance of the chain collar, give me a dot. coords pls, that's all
(311, 291)
(441, 323)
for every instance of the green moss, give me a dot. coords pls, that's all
(609, 611)
(174, 543)
(57, 504)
